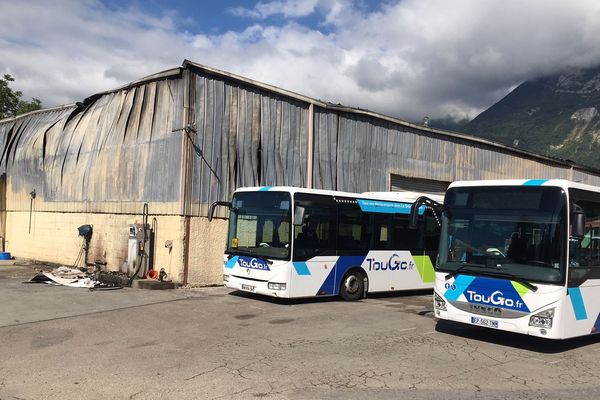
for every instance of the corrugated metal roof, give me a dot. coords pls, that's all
(364, 112)
(168, 73)
(36, 112)
(250, 133)
(176, 72)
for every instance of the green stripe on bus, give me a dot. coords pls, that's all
(520, 288)
(425, 268)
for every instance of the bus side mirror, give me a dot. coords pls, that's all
(299, 215)
(414, 209)
(577, 222)
(211, 210)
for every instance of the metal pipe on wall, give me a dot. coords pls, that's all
(32, 197)
(183, 175)
(186, 250)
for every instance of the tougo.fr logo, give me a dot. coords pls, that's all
(496, 298)
(490, 292)
(393, 264)
(253, 263)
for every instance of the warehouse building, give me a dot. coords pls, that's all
(183, 138)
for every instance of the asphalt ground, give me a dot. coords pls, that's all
(67, 343)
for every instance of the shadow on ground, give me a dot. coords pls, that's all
(514, 340)
(327, 299)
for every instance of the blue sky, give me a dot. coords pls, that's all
(218, 17)
(408, 58)
(208, 17)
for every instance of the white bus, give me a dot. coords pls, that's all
(521, 256)
(290, 242)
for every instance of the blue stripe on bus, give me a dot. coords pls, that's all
(301, 268)
(535, 182)
(386, 207)
(596, 328)
(458, 287)
(265, 188)
(343, 264)
(231, 262)
(577, 303)
(328, 286)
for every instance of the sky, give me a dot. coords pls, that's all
(404, 58)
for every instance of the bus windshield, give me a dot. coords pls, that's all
(259, 225)
(517, 233)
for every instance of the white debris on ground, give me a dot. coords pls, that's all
(76, 278)
(72, 281)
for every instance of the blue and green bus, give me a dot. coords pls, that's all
(290, 242)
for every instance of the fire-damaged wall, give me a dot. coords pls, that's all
(183, 138)
(97, 163)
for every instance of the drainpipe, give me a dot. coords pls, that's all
(184, 174)
(32, 197)
(186, 250)
(310, 145)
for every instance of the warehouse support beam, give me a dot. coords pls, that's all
(310, 146)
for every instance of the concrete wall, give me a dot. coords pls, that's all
(207, 244)
(54, 238)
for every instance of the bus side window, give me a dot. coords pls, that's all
(431, 233)
(584, 254)
(382, 231)
(404, 238)
(315, 235)
(354, 230)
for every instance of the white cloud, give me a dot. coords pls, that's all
(408, 59)
(287, 9)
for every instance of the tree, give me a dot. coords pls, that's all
(10, 100)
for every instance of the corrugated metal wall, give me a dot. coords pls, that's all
(325, 168)
(248, 137)
(358, 153)
(119, 150)
(109, 156)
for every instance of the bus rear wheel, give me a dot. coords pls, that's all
(353, 286)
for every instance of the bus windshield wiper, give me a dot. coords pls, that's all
(515, 278)
(463, 266)
(498, 273)
(242, 252)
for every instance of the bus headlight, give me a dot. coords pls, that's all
(225, 278)
(276, 286)
(438, 302)
(542, 319)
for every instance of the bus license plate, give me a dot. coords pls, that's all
(490, 323)
(249, 288)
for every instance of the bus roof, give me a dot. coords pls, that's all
(406, 196)
(562, 183)
(403, 197)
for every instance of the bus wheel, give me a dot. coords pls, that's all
(353, 286)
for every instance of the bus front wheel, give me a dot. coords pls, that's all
(353, 286)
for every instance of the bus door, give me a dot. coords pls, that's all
(314, 256)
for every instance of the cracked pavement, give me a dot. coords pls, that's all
(65, 343)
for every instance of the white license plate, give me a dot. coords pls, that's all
(249, 288)
(490, 323)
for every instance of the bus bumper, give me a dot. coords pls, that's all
(272, 289)
(516, 325)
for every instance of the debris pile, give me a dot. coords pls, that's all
(77, 278)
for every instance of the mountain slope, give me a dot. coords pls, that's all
(558, 116)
